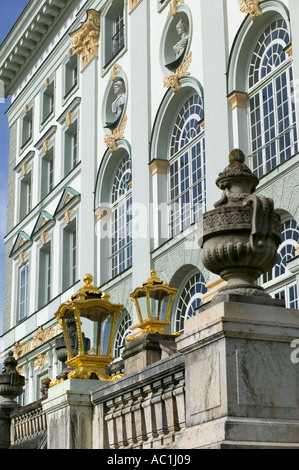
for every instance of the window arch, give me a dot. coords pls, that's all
(189, 300)
(122, 332)
(186, 175)
(121, 218)
(279, 281)
(272, 114)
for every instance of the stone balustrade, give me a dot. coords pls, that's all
(145, 410)
(28, 426)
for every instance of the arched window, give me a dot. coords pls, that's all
(189, 300)
(121, 333)
(186, 176)
(273, 136)
(121, 212)
(279, 281)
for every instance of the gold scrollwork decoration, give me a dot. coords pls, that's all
(85, 40)
(174, 80)
(251, 7)
(118, 133)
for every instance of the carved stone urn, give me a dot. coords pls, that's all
(11, 382)
(241, 236)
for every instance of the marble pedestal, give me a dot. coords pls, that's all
(146, 350)
(241, 384)
(69, 414)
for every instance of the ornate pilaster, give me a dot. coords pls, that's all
(85, 40)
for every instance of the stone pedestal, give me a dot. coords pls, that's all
(69, 414)
(241, 384)
(5, 410)
(147, 349)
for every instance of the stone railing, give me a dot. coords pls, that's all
(145, 410)
(29, 427)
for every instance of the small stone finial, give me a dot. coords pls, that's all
(11, 382)
(236, 156)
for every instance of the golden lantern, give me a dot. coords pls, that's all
(88, 320)
(153, 301)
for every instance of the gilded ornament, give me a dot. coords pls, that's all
(40, 362)
(251, 7)
(85, 40)
(46, 145)
(43, 237)
(113, 70)
(132, 4)
(174, 7)
(22, 257)
(174, 80)
(68, 118)
(118, 133)
(24, 169)
(67, 216)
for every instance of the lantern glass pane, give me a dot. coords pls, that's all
(159, 303)
(93, 320)
(71, 335)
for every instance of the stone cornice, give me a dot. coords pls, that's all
(35, 23)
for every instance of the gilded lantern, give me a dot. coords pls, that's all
(153, 301)
(88, 320)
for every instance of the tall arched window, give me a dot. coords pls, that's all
(121, 209)
(279, 281)
(186, 177)
(189, 300)
(273, 137)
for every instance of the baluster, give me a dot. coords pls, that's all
(137, 409)
(170, 408)
(159, 413)
(118, 416)
(179, 394)
(128, 422)
(148, 410)
(110, 424)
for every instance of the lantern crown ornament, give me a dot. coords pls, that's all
(88, 321)
(153, 300)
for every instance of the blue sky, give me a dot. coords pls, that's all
(10, 10)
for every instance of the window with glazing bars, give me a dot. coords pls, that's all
(272, 114)
(279, 281)
(121, 241)
(118, 33)
(23, 291)
(186, 177)
(189, 300)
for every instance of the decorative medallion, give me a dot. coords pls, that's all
(85, 40)
(251, 7)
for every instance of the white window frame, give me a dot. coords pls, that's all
(26, 129)
(109, 30)
(283, 282)
(70, 249)
(71, 76)
(23, 268)
(266, 133)
(175, 179)
(45, 274)
(47, 103)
